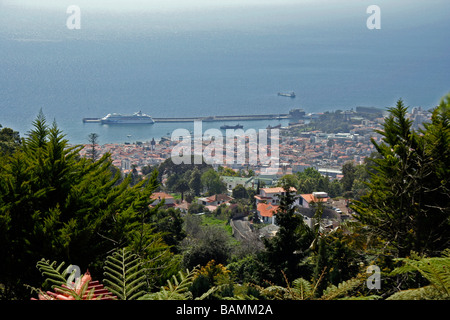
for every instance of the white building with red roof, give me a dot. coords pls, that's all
(271, 195)
(157, 197)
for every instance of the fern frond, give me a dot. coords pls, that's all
(275, 292)
(124, 275)
(63, 286)
(164, 295)
(303, 288)
(436, 270)
(240, 297)
(211, 291)
(371, 297)
(55, 274)
(423, 293)
(177, 289)
(333, 292)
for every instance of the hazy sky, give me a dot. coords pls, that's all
(155, 4)
(164, 5)
(175, 15)
(31, 15)
(325, 8)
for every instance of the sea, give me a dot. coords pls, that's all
(231, 58)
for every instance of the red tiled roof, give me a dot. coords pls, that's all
(211, 208)
(160, 195)
(183, 205)
(262, 198)
(310, 198)
(219, 197)
(277, 190)
(267, 210)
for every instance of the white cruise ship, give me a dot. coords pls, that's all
(137, 118)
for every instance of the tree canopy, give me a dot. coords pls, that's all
(408, 203)
(56, 205)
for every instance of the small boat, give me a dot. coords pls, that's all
(287, 94)
(238, 126)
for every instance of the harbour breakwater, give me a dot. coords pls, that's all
(226, 118)
(296, 113)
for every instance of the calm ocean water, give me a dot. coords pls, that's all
(219, 62)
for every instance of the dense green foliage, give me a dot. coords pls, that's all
(125, 275)
(58, 206)
(408, 204)
(9, 141)
(435, 270)
(290, 245)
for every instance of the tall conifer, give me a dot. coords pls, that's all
(409, 201)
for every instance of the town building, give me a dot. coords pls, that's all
(273, 195)
(158, 197)
(306, 200)
(232, 182)
(266, 212)
(214, 201)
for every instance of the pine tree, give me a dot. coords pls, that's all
(195, 181)
(57, 205)
(408, 203)
(92, 152)
(286, 250)
(348, 170)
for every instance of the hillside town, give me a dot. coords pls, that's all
(301, 146)
(233, 216)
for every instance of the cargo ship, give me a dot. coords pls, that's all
(238, 126)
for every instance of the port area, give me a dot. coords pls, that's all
(211, 118)
(91, 120)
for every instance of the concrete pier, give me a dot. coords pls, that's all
(211, 118)
(226, 118)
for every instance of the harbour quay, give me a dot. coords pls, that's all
(212, 118)
(226, 118)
